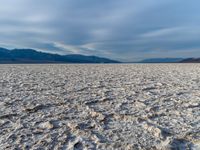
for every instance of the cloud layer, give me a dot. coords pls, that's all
(126, 30)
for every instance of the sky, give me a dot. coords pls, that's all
(126, 30)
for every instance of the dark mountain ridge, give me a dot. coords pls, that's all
(33, 56)
(191, 60)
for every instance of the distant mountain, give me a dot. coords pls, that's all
(191, 60)
(33, 56)
(161, 60)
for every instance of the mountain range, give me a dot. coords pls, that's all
(33, 56)
(162, 60)
(191, 60)
(171, 60)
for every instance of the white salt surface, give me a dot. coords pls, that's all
(123, 106)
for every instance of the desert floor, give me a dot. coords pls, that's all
(89, 106)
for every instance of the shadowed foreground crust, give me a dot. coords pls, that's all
(123, 106)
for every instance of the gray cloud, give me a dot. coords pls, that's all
(126, 30)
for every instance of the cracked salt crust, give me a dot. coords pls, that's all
(122, 106)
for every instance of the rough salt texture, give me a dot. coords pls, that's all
(126, 106)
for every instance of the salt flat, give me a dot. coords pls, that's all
(89, 106)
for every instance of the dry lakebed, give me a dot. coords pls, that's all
(100, 106)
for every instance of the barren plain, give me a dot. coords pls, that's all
(100, 106)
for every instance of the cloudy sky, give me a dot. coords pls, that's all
(126, 30)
